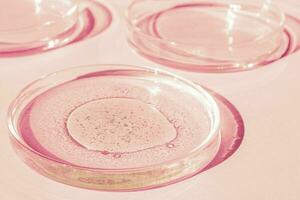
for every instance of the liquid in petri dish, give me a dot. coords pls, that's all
(109, 123)
(119, 125)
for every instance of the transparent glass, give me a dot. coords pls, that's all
(115, 127)
(206, 35)
(27, 24)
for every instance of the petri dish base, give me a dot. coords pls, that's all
(211, 36)
(115, 127)
(85, 19)
(33, 23)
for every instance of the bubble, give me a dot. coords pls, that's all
(104, 152)
(95, 126)
(117, 155)
(104, 124)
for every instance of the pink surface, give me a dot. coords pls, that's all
(267, 165)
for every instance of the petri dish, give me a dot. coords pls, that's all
(115, 127)
(28, 24)
(205, 35)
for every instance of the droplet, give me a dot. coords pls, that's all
(117, 155)
(170, 145)
(104, 152)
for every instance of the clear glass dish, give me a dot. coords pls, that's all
(115, 127)
(28, 24)
(205, 35)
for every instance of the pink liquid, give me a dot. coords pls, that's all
(116, 123)
(119, 125)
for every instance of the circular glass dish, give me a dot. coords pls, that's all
(205, 35)
(28, 24)
(115, 127)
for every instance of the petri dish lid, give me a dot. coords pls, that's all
(209, 35)
(115, 124)
(32, 21)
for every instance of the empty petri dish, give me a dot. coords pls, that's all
(28, 24)
(205, 35)
(115, 127)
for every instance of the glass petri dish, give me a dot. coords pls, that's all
(28, 24)
(115, 127)
(205, 35)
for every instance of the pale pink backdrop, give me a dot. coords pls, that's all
(266, 166)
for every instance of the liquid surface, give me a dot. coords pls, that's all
(116, 123)
(119, 125)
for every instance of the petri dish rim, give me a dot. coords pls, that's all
(14, 133)
(272, 7)
(74, 11)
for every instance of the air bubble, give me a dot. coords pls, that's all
(124, 134)
(170, 145)
(85, 127)
(117, 156)
(104, 152)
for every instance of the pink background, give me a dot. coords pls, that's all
(266, 166)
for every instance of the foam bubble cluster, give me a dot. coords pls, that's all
(105, 122)
(119, 125)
